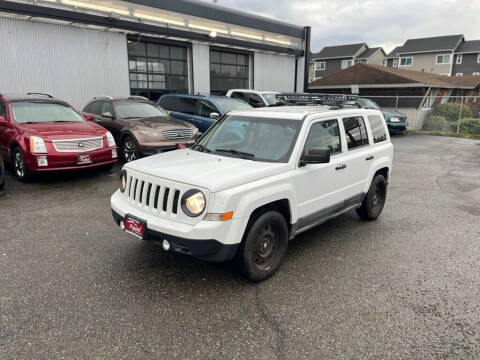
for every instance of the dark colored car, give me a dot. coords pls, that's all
(199, 110)
(39, 133)
(2, 173)
(396, 121)
(140, 126)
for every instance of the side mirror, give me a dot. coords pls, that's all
(214, 116)
(89, 117)
(316, 156)
(107, 115)
(3, 121)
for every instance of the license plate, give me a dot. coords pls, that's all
(134, 226)
(84, 159)
(182, 146)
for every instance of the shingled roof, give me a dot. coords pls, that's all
(466, 47)
(394, 52)
(369, 52)
(431, 44)
(362, 74)
(340, 51)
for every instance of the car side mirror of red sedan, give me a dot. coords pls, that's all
(89, 117)
(3, 121)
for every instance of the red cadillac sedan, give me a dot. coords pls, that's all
(39, 133)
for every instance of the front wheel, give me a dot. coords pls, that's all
(374, 201)
(263, 246)
(19, 168)
(130, 149)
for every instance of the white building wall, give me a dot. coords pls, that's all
(201, 68)
(71, 63)
(273, 72)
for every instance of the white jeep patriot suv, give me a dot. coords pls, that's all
(255, 180)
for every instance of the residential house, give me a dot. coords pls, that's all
(411, 92)
(374, 56)
(432, 55)
(334, 58)
(467, 59)
(391, 60)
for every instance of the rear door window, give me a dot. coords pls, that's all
(355, 132)
(255, 100)
(187, 105)
(95, 107)
(169, 103)
(377, 125)
(238, 95)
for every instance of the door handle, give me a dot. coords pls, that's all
(340, 167)
(370, 157)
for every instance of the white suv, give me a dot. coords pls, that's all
(256, 98)
(255, 180)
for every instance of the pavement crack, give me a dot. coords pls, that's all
(274, 324)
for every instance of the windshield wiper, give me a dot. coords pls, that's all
(201, 148)
(243, 155)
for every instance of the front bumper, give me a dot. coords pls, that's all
(207, 240)
(397, 127)
(163, 146)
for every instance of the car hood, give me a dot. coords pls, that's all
(209, 171)
(158, 123)
(389, 113)
(56, 131)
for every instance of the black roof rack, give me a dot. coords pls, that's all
(315, 99)
(42, 94)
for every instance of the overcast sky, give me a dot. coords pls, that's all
(384, 23)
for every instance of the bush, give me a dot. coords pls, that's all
(451, 111)
(436, 123)
(470, 126)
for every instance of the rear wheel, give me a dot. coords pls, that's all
(263, 246)
(19, 166)
(130, 149)
(374, 201)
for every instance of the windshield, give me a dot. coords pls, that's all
(253, 138)
(271, 98)
(369, 103)
(130, 110)
(43, 112)
(228, 104)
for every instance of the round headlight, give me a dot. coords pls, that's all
(193, 202)
(123, 180)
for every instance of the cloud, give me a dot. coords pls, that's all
(384, 23)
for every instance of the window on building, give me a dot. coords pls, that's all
(228, 70)
(395, 62)
(378, 128)
(406, 61)
(324, 135)
(459, 58)
(459, 74)
(346, 63)
(355, 132)
(157, 68)
(443, 59)
(320, 65)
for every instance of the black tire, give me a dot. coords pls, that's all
(130, 149)
(263, 246)
(374, 201)
(19, 167)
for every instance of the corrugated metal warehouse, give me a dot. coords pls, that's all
(76, 49)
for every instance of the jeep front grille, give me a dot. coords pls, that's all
(78, 145)
(153, 196)
(177, 134)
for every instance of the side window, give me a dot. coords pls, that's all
(255, 100)
(238, 95)
(324, 135)
(355, 132)
(378, 128)
(186, 105)
(3, 110)
(107, 107)
(206, 108)
(94, 108)
(168, 103)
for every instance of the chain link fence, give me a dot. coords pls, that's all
(446, 114)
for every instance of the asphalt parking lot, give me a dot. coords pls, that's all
(73, 286)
